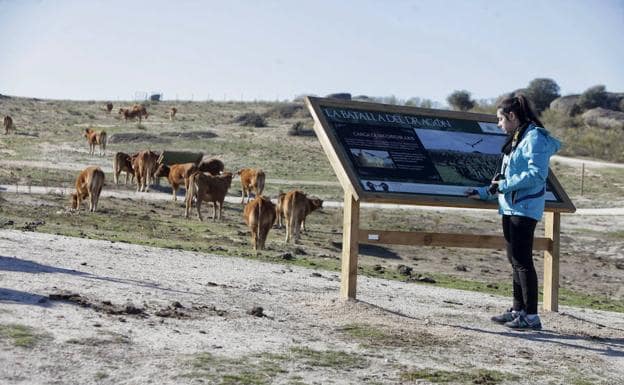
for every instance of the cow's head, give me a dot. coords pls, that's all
(73, 201)
(162, 170)
(315, 203)
(228, 177)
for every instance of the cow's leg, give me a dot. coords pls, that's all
(288, 220)
(296, 227)
(198, 204)
(243, 195)
(174, 187)
(254, 238)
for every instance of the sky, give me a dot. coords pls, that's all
(278, 50)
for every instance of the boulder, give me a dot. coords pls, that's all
(567, 105)
(603, 118)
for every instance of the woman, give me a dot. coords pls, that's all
(521, 187)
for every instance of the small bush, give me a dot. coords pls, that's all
(299, 129)
(252, 119)
(74, 112)
(285, 111)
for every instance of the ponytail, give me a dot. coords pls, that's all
(521, 107)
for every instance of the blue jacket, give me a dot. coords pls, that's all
(523, 190)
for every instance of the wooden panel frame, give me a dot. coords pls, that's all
(354, 194)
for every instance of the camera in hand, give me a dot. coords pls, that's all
(493, 189)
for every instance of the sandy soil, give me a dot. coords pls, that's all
(115, 313)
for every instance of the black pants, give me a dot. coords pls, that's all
(519, 233)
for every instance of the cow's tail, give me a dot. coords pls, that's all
(258, 220)
(290, 219)
(103, 139)
(260, 183)
(191, 191)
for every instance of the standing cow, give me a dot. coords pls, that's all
(122, 162)
(8, 125)
(252, 179)
(95, 138)
(176, 174)
(297, 206)
(259, 215)
(109, 107)
(144, 165)
(209, 188)
(88, 184)
(172, 113)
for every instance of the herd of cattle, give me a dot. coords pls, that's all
(204, 181)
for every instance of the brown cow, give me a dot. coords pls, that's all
(176, 175)
(88, 184)
(122, 162)
(109, 107)
(144, 165)
(137, 111)
(259, 215)
(8, 124)
(297, 206)
(172, 113)
(252, 179)
(279, 209)
(212, 166)
(209, 188)
(95, 138)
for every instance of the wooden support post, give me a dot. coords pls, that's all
(552, 229)
(350, 245)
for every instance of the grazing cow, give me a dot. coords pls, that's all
(95, 138)
(140, 110)
(109, 107)
(172, 113)
(137, 111)
(209, 188)
(122, 162)
(8, 124)
(259, 215)
(212, 166)
(88, 184)
(144, 165)
(252, 179)
(176, 175)
(297, 206)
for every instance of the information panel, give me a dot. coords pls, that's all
(403, 150)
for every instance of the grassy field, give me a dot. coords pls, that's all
(49, 143)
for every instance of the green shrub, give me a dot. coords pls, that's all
(299, 129)
(252, 119)
(593, 97)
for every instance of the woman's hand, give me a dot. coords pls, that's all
(472, 193)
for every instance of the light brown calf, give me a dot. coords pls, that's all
(297, 206)
(144, 165)
(172, 113)
(122, 162)
(8, 124)
(95, 138)
(252, 179)
(177, 174)
(259, 215)
(88, 184)
(209, 188)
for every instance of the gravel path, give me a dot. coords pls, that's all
(139, 315)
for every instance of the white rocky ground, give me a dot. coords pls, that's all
(423, 326)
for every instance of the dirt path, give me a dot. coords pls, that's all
(146, 315)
